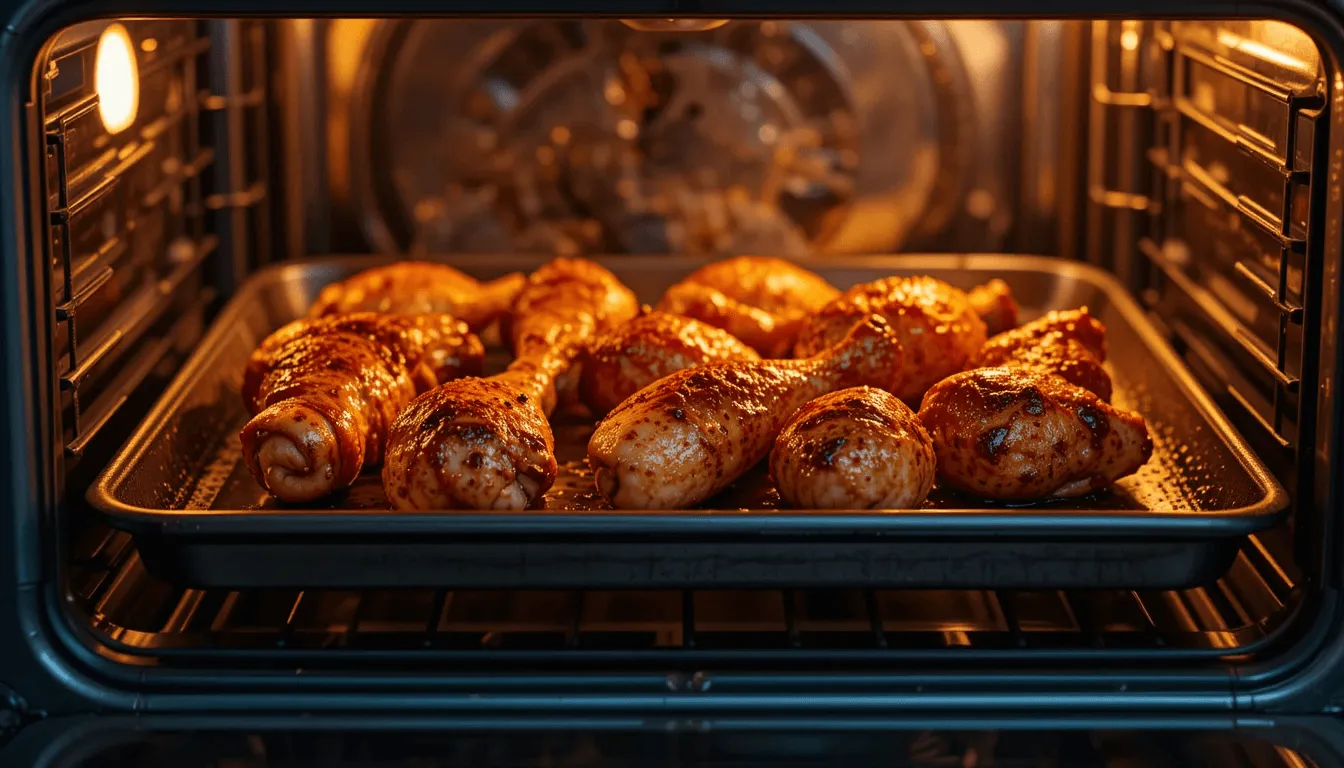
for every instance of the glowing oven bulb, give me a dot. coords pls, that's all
(116, 79)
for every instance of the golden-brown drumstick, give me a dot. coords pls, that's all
(567, 301)
(1070, 344)
(470, 444)
(1018, 434)
(416, 287)
(1053, 353)
(758, 299)
(685, 437)
(1077, 324)
(939, 330)
(323, 392)
(486, 443)
(637, 353)
(994, 303)
(434, 347)
(859, 448)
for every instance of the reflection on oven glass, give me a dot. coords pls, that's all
(668, 746)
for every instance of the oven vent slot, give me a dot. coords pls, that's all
(126, 221)
(1207, 155)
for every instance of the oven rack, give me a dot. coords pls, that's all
(125, 230)
(1260, 295)
(1199, 138)
(146, 225)
(144, 616)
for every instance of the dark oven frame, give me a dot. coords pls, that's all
(50, 665)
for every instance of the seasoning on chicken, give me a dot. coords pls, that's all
(1068, 344)
(415, 287)
(686, 437)
(1017, 434)
(324, 391)
(566, 301)
(939, 330)
(758, 299)
(486, 443)
(1052, 353)
(858, 448)
(1078, 324)
(637, 353)
(994, 303)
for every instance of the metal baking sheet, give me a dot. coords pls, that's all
(200, 519)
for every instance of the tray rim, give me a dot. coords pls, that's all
(1008, 522)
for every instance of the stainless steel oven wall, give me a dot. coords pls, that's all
(1206, 187)
(564, 136)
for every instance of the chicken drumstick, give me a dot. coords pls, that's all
(684, 438)
(1070, 344)
(486, 443)
(994, 303)
(939, 329)
(1019, 434)
(324, 391)
(859, 448)
(758, 299)
(634, 355)
(411, 287)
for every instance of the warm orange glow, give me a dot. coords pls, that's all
(1274, 31)
(674, 25)
(116, 79)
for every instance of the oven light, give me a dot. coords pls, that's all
(116, 79)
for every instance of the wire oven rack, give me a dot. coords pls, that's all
(142, 615)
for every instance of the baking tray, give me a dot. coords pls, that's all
(200, 520)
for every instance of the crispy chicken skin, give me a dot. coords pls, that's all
(1068, 344)
(768, 334)
(859, 448)
(1077, 324)
(758, 299)
(470, 444)
(1055, 353)
(639, 352)
(323, 392)
(435, 348)
(414, 287)
(939, 330)
(686, 437)
(994, 303)
(1017, 434)
(486, 443)
(567, 301)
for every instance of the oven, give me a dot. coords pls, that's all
(160, 161)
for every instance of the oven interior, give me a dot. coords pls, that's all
(175, 157)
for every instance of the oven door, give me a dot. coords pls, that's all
(520, 742)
